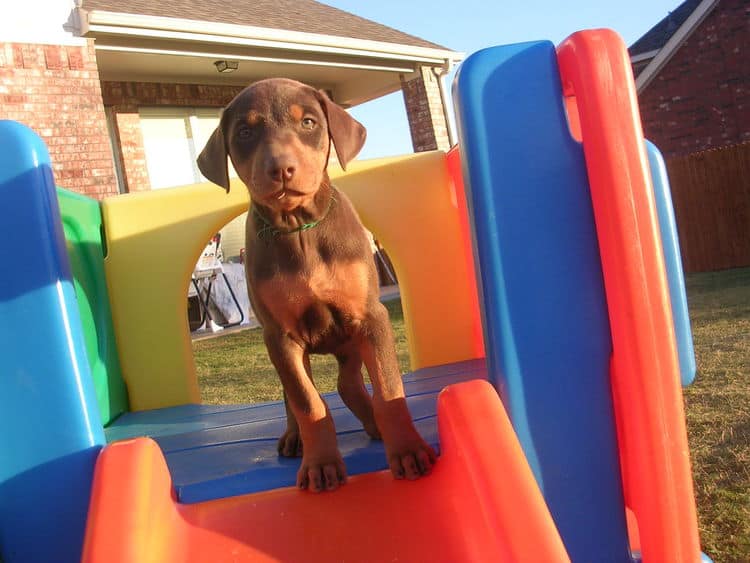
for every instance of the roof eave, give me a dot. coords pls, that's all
(644, 56)
(97, 21)
(663, 56)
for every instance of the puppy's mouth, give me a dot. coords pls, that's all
(285, 197)
(285, 192)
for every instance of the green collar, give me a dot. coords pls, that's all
(270, 231)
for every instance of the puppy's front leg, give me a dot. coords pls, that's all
(408, 454)
(322, 467)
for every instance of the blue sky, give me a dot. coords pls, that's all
(485, 23)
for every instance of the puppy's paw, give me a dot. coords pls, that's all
(290, 444)
(410, 457)
(322, 474)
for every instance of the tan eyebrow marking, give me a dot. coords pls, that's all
(253, 117)
(297, 112)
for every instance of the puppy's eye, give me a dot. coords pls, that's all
(244, 133)
(309, 123)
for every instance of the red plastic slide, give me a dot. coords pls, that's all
(481, 503)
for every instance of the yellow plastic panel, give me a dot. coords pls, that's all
(411, 205)
(153, 242)
(155, 238)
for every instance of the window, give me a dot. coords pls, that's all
(172, 139)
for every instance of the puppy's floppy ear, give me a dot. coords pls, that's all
(212, 161)
(348, 134)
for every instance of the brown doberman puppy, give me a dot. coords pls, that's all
(311, 275)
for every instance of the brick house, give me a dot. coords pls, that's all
(693, 78)
(126, 92)
(692, 73)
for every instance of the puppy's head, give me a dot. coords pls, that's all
(278, 134)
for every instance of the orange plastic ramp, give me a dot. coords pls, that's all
(481, 503)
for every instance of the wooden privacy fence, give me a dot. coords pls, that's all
(711, 196)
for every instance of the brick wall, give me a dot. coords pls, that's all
(55, 90)
(701, 98)
(134, 94)
(129, 150)
(124, 98)
(424, 109)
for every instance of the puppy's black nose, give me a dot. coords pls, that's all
(281, 171)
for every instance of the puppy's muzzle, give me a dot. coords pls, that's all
(281, 170)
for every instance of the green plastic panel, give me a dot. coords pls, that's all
(82, 223)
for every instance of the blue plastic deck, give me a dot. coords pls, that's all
(51, 431)
(545, 314)
(673, 263)
(220, 451)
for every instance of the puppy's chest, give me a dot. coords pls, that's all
(326, 298)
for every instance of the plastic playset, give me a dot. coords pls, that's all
(547, 325)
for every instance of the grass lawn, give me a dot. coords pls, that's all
(235, 369)
(718, 411)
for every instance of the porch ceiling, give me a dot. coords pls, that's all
(152, 49)
(350, 85)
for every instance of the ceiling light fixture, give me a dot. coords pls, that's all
(225, 66)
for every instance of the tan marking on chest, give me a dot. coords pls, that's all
(341, 285)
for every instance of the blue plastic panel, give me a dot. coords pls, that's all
(673, 262)
(637, 558)
(544, 308)
(219, 451)
(50, 431)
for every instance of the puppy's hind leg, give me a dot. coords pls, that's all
(290, 442)
(351, 387)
